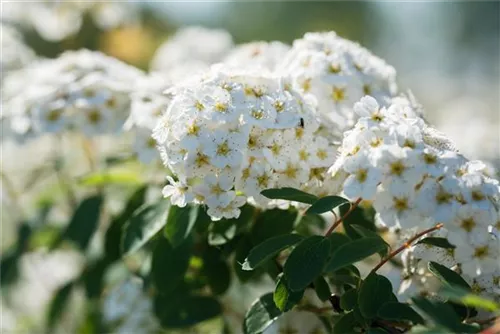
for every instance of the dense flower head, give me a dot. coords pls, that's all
(337, 72)
(257, 55)
(196, 46)
(415, 179)
(227, 136)
(81, 90)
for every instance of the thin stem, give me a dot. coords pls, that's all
(406, 245)
(337, 223)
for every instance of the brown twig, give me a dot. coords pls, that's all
(337, 223)
(405, 245)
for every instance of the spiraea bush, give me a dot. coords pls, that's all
(267, 188)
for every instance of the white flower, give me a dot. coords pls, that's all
(469, 225)
(216, 190)
(395, 205)
(179, 192)
(224, 149)
(363, 179)
(478, 258)
(192, 45)
(228, 211)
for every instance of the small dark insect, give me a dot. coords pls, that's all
(301, 123)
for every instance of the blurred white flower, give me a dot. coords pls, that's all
(82, 90)
(126, 308)
(41, 274)
(257, 55)
(192, 45)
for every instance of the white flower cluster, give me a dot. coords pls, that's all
(148, 103)
(192, 48)
(257, 55)
(15, 54)
(56, 20)
(337, 72)
(81, 90)
(486, 285)
(41, 275)
(415, 179)
(228, 136)
(127, 309)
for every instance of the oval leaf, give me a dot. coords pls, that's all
(375, 291)
(169, 264)
(143, 225)
(436, 241)
(395, 311)
(354, 251)
(84, 222)
(268, 249)
(189, 311)
(284, 298)
(261, 315)
(325, 204)
(306, 262)
(180, 222)
(447, 276)
(290, 194)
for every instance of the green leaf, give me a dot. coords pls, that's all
(306, 262)
(242, 249)
(180, 222)
(438, 242)
(465, 297)
(354, 251)
(271, 223)
(113, 237)
(216, 270)
(268, 249)
(290, 194)
(346, 275)
(310, 224)
(346, 324)
(143, 225)
(375, 291)
(360, 217)
(366, 233)
(261, 315)
(93, 277)
(441, 314)
(337, 240)
(169, 264)
(188, 311)
(84, 222)
(395, 311)
(322, 288)
(111, 177)
(284, 298)
(325, 204)
(58, 304)
(349, 300)
(447, 276)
